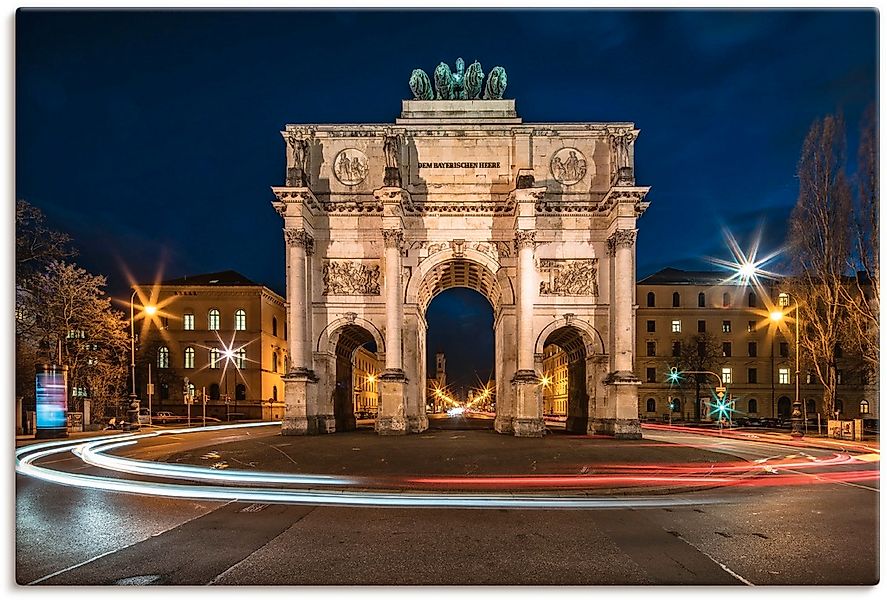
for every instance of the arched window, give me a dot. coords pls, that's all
(164, 391)
(839, 405)
(675, 405)
(240, 392)
(811, 406)
(752, 300)
(214, 357)
(726, 299)
(214, 391)
(189, 357)
(274, 326)
(752, 406)
(163, 357)
(675, 300)
(274, 361)
(212, 321)
(701, 300)
(651, 405)
(651, 299)
(274, 393)
(240, 358)
(239, 320)
(864, 407)
(188, 321)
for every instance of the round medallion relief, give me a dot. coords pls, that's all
(568, 166)
(351, 166)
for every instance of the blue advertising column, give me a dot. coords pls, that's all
(52, 401)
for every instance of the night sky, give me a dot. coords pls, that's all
(152, 138)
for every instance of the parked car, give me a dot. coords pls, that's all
(163, 416)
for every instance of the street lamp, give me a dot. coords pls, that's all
(776, 316)
(133, 412)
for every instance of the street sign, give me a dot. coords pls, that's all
(150, 389)
(720, 391)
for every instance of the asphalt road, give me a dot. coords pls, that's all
(823, 533)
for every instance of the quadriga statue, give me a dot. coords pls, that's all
(496, 83)
(474, 81)
(420, 85)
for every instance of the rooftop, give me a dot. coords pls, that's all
(223, 278)
(672, 276)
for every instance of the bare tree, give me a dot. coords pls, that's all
(700, 352)
(862, 294)
(820, 241)
(36, 245)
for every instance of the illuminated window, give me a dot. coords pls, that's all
(213, 319)
(675, 300)
(189, 357)
(701, 300)
(863, 407)
(240, 358)
(725, 327)
(163, 358)
(79, 392)
(214, 356)
(192, 390)
(240, 320)
(675, 326)
(838, 377)
(784, 375)
(727, 375)
(188, 321)
(752, 325)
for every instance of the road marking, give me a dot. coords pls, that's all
(712, 558)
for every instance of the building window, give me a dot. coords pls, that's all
(727, 349)
(240, 358)
(752, 406)
(675, 326)
(675, 300)
(839, 405)
(752, 300)
(752, 325)
(651, 374)
(726, 300)
(274, 326)
(651, 299)
(189, 357)
(784, 375)
(214, 391)
(809, 378)
(214, 356)
(701, 300)
(188, 321)
(727, 375)
(863, 407)
(675, 405)
(651, 405)
(164, 391)
(752, 349)
(782, 300)
(240, 392)
(675, 348)
(274, 361)
(811, 406)
(725, 327)
(79, 392)
(651, 326)
(651, 348)
(752, 375)
(239, 320)
(274, 393)
(213, 319)
(163, 358)
(783, 349)
(838, 377)
(700, 326)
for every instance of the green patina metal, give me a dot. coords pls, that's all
(461, 84)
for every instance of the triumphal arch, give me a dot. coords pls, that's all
(540, 218)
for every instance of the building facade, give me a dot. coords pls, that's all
(753, 356)
(555, 374)
(366, 385)
(225, 335)
(540, 218)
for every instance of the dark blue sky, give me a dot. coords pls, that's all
(152, 137)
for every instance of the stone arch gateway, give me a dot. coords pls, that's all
(540, 218)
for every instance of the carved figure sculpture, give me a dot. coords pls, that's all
(496, 83)
(474, 81)
(420, 85)
(299, 147)
(391, 147)
(443, 82)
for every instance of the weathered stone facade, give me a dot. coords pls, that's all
(539, 218)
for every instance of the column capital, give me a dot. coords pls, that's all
(621, 238)
(299, 237)
(393, 238)
(524, 239)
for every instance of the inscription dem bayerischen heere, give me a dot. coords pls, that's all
(458, 165)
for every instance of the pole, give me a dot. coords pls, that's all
(203, 396)
(188, 402)
(150, 394)
(796, 408)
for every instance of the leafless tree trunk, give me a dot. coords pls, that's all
(820, 242)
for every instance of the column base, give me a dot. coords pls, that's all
(294, 426)
(391, 426)
(296, 385)
(417, 424)
(320, 424)
(532, 428)
(621, 429)
(578, 425)
(504, 424)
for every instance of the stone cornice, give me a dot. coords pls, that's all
(624, 194)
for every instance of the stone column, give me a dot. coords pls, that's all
(391, 419)
(622, 382)
(296, 383)
(528, 402)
